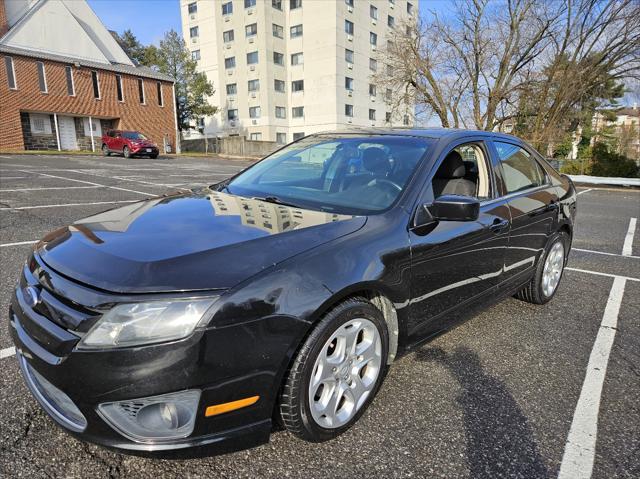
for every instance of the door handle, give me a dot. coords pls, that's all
(499, 225)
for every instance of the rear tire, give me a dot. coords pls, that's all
(126, 152)
(546, 280)
(105, 150)
(337, 372)
(153, 157)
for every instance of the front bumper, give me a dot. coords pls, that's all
(145, 150)
(225, 364)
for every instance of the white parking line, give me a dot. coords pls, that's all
(49, 188)
(604, 253)
(14, 177)
(580, 449)
(584, 191)
(598, 273)
(97, 184)
(628, 239)
(67, 204)
(19, 243)
(5, 353)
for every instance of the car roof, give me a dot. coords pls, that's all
(433, 133)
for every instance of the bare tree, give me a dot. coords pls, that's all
(524, 62)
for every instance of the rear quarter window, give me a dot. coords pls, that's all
(520, 170)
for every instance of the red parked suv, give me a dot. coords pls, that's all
(129, 143)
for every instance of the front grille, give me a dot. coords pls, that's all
(57, 404)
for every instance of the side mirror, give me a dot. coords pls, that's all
(448, 208)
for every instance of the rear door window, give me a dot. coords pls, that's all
(520, 170)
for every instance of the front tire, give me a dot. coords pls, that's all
(105, 150)
(126, 152)
(544, 284)
(337, 372)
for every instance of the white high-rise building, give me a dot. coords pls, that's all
(282, 69)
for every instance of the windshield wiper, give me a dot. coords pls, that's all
(275, 200)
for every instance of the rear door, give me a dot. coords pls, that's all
(532, 202)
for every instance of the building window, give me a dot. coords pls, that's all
(297, 136)
(193, 32)
(297, 112)
(278, 58)
(281, 112)
(410, 8)
(228, 36)
(373, 39)
(297, 85)
(254, 112)
(348, 27)
(227, 8)
(195, 55)
(252, 58)
(279, 86)
(249, 3)
(95, 81)
(278, 31)
(232, 89)
(277, 4)
(119, 88)
(372, 89)
(253, 85)
(388, 94)
(408, 30)
(387, 117)
(232, 114)
(295, 31)
(255, 136)
(373, 64)
(297, 59)
(405, 120)
(348, 83)
(373, 12)
(372, 115)
(281, 138)
(391, 22)
(42, 77)
(141, 91)
(92, 128)
(293, 4)
(159, 92)
(71, 88)
(40, 124)
(348, 55)
(230, 62)
(11, 74)
(251, 30)
(192, 8)
(348, 110)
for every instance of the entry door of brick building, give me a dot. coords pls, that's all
(67, 128)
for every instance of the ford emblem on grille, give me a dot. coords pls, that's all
(31, 296)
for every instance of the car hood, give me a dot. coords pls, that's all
(200, 240)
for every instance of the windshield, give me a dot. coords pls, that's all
(342, 174)
(134, 135)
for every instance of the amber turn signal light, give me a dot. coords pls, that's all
(230, 406)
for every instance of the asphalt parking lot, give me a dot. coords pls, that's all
(518, 391)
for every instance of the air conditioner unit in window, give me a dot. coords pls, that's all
(350, 9)
(350, 66)
(232, 123)
(374, 48)
(253, 95)
(229, 72)
(374, 21)
(349, 93)
(194, 40)
(349, 38)
(251, 39)
(373, 98)
(192, 16)
(254, 122)
(252, 67)
(250, 11)
(349, 120)
(227, 18)
(228, 46)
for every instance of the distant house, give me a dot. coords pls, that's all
(625, 127)
(64, 80)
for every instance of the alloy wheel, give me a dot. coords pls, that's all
(345, 372)
(553, 266)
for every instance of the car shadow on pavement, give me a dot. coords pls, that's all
(500, 442)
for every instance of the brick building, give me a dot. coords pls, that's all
(64, 80)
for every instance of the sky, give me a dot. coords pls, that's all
(150, 19)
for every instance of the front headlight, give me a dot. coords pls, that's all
(146, 323)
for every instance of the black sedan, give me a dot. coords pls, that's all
(195, 321)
